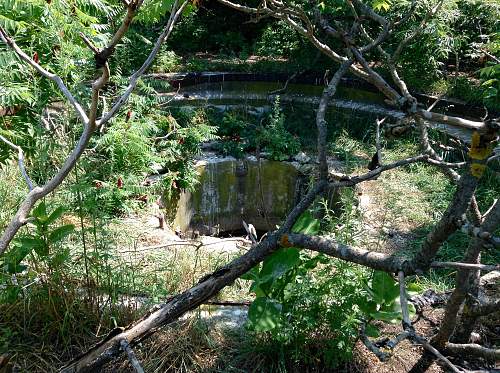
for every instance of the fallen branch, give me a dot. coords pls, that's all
(474, 349)
(131, 356)
(381, 355)
(207, 287)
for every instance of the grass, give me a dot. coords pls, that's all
(411, 199)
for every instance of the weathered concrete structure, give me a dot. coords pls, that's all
(232, 190)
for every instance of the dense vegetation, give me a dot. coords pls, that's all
(67, 280)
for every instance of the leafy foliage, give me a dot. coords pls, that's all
(300, 298)
(276, 140)
(45, 243)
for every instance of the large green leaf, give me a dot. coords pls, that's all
(40, 212)
(306, 224)
(251, 274)
(279, 263)
(61, 232)
(264, 314)
(54, 215)
(15, 256)
(385, 288)
(390, 317)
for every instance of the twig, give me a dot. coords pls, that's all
(469, 266)
(20, 161)
(381, 355)
(174, 15)
(327, 95)
(398, 339)
(161, 138)
(378, 123)
(250, 231)
(436, 353)
(197, 244)
(88, 43)
(131, 356)
(228, 303)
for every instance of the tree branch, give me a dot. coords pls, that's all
(131, 356)
(328, 93)
(20, 161)
(21, 216)
(55, 78)
(474, 349)
(176, 11)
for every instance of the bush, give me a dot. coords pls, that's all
(276, 140)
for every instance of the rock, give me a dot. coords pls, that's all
(302, 157)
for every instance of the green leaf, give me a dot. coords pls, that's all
(15, 256)
(390, 317)
(252, 275)
(372, 331)
(31, 242)
(40, 212)
(306, 224)
(381, 5)
(384, 287)
(56, 214)
(279, 263)
(368, 307)
(61, 257)
(61, 232)
(11, 293)
(264, 314)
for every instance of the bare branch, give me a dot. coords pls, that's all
(88, 43)
(20, 161)
(436, 353)
(404, 302)
(378, 145)
(427, 148)
(448, 222)
(415, 33)
(174, 15)
(452, 121)
(474, 349)
(131, 356)
(463, 283)
(328, 93)
(21, 216)
(371, 259)
(466, 266)
(381, 355)
(348, 180)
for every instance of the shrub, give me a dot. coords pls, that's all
(280, 143)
